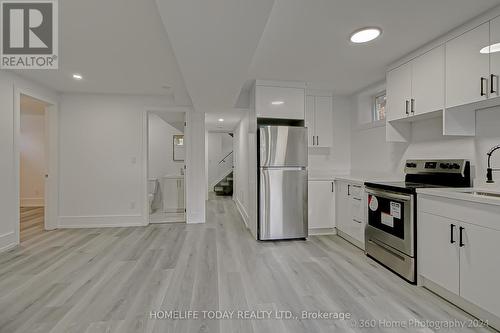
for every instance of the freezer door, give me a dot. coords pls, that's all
(283, 204)
(283, 146)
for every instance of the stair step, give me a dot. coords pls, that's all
(218, 189)
(224, 184)
(229, 178)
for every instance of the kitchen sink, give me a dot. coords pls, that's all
(484, 194)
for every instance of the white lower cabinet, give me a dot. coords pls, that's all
(479, 267)
(439, 253)
(460, 256)
(321, 206)
(350, 211)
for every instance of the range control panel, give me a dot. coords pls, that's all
(434, 166)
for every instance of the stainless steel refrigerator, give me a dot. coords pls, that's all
(282, 182)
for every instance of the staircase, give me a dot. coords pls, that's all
(225, 186)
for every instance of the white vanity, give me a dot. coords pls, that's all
(173, 193)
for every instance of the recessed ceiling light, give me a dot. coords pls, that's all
(493, 48)
(221, 120)
(77, 76)
(365, 35)
(277, 102)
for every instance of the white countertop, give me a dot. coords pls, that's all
(461, 194)
(315, 175)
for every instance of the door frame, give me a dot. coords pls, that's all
(51, 145)
(145, 156)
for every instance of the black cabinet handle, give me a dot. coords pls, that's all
(317, 140)
(406, 107)
(332, 187)
(461, 237)
(412, 105)
(493, 78)
(348, 190)
(482, 86)
(452, 229)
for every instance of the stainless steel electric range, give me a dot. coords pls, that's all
(390, 234)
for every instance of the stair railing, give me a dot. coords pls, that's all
(224, 159)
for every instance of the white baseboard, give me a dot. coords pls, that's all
(322, 231)
(32, 202)
(7, 241)
(242, 211)
(104, 221)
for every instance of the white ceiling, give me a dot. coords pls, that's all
(231, 118)
(119, 46)
(309, 40)
(214, 42)
(207, 50)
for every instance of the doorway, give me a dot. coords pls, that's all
(166, 167)
(220, 163)
(33, 148)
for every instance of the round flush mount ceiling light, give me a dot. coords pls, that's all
(365, 35)
(277, 102)
(493, 48)
(77, 76)
(221, 120)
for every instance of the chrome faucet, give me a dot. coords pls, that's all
(489, 172)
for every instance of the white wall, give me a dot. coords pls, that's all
(160, 154)
(336, 159)
(32, 151)
(219, 146)
(103, 160)
(9, 122)
(372, 155)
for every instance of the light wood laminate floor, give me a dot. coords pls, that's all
(108, 280)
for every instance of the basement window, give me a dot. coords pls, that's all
(378, 112)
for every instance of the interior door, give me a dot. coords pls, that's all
(428, 82)
(283, 204)
(479, 269)
(465, 66)
(438, 258)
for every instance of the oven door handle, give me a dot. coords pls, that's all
(389, 195)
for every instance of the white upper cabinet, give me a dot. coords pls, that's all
(309, 122)
(319, 120)
(467, 69)
(428, 82)
(494, 57)
(416, 87)
(398, 92)
(279, 102)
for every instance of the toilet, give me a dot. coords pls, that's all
(153, 187)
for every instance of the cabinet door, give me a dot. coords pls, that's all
(494, 57)
(309, 121)
(479, 269)
(323, 121)
(465, 66)
(398, 92)
(280, 102)
(438, 257)
(428, 82)
(321, 204)
(342, 211)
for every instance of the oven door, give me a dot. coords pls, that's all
(391, 220)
